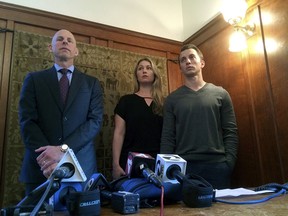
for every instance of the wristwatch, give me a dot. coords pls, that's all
(64, 148)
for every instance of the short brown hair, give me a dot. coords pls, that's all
(192, 46)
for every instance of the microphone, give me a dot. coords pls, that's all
(196, 191)
(71, 175)
(170, 168)
(174, 172)
(66, 170)
(134, 161)
(150, 176)
(69, 169)
(141, 165)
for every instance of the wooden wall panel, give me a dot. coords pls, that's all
(5, 59)
(257, 81)
(174, 74)
(262, 102)
(275, 33)
(3, 94)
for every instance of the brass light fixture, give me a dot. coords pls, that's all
(233, 12)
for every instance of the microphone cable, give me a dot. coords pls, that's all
(277, 188)
(162, 202)
(150, 176)
(57, 175)
(44, 196)
(282, 191)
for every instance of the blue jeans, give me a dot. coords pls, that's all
(217, 174)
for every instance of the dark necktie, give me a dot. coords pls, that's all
(64, 85)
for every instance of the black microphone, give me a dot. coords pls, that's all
(174, 172)
(134, 161)
(66, 170)
(150, 176)
(141, 165)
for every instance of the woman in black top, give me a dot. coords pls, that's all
(138, 117)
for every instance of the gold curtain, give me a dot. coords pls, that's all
(113, 68)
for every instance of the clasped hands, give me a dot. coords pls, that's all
(48, 159)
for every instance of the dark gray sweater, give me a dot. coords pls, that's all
(200, 125)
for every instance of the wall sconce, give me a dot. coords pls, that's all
(237, 41)
(233, 12)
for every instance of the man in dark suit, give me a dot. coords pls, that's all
(47, 122)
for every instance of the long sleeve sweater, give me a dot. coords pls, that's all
(200, 125)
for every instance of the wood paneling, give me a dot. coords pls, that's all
(5, 58)
(257, 81)
(275, 33)
(174, 75)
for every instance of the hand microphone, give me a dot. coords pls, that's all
(66, 170)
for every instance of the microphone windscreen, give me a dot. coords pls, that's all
(196, 191)
(66, 170)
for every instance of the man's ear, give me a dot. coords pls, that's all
(202, 63)
(76, 52)
(50, 48)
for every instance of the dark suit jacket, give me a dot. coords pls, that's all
(44, 121)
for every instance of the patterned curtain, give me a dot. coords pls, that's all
(113, 68)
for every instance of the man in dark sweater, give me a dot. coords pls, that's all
(199, 123)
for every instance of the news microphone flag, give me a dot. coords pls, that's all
(68, 185)
(164, 162)
(70, 157)
(134, 161)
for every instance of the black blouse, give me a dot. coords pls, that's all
(143, 127)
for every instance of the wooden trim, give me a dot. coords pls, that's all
(47, 20)
(208, 31)
(7, 51)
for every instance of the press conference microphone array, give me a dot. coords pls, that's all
(66, 170)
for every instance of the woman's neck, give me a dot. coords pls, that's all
(144, 92)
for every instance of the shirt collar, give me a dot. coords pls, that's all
(57, 67)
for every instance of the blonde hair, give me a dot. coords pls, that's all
(156, 90)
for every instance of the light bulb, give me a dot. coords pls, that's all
(237, 41)
(234, 11)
